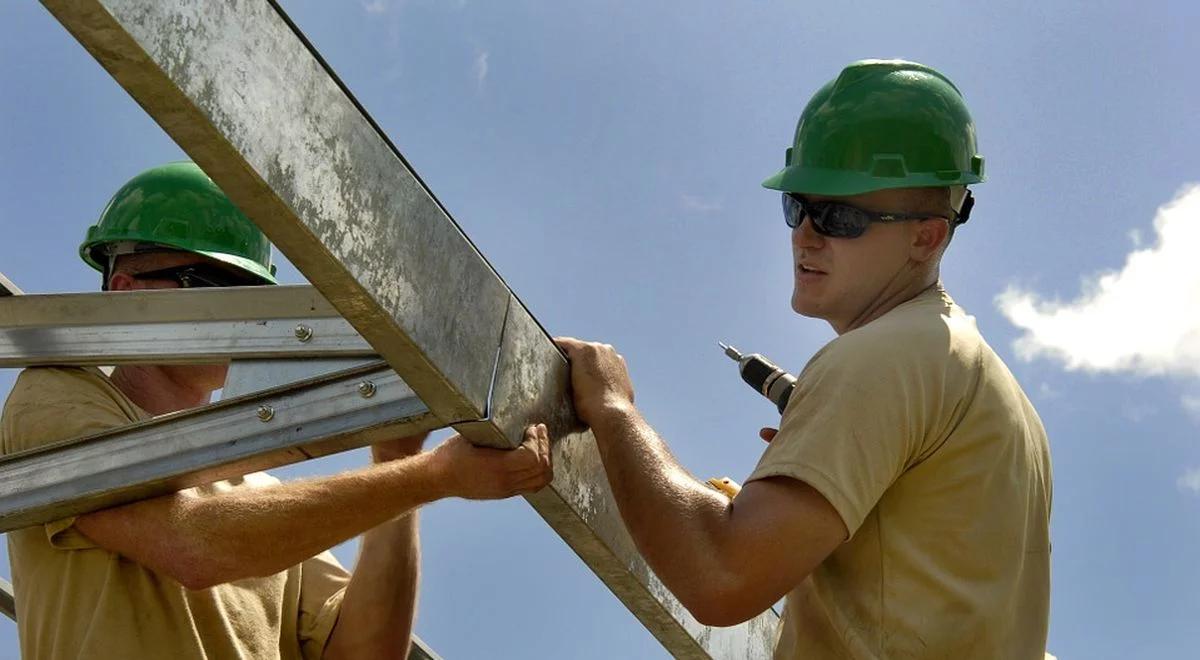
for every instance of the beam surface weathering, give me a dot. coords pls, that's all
(239, 88)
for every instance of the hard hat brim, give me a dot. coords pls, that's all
(820, 181)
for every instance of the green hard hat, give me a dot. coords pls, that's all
(882, 124)
(176, 206)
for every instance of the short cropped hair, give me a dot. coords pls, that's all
(940, 202)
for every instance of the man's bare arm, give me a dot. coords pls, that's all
(205, 540)
(379, 607)
(726, 561)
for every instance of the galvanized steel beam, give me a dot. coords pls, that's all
(174, 326)
(219, 441)
(7, 288)
(195, 342)
(421, 651)
(8, 605)
(249, 303)
(243, 94)
(247, 98)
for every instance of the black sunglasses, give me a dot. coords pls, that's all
(838, 220)
(195, 276)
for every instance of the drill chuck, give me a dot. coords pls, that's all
(762, 374)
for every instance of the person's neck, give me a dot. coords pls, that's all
(152, 389)
(898, 291)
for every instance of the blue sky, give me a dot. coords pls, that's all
(607, 159)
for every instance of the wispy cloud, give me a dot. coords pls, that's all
(1143, 318)
(376, 6)
(1190, 481)
(1048, 391)
(481, 68)
(699, 204)
(1191, 403)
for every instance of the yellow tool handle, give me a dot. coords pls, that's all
(726, 485)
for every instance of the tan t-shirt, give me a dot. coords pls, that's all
(924, 443)
(77, 600)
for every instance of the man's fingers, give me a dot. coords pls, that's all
(534, 474)
(568, 344)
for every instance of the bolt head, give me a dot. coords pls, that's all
(366, 389)
(304, 333)
(266, 413)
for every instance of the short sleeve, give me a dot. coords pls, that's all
(50, 405)
(322, 585)
(850, 428)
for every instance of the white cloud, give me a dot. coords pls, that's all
(1190, 481)
(699, 204)
(1143, 318)
(376, 6)
(481, 68)
(1048, 391)
(1138, 412)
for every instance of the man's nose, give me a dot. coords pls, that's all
(805, 235)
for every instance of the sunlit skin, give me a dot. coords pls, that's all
(158, 389)
(852, 281)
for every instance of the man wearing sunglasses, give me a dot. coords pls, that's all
(902, 507)
(239, 568)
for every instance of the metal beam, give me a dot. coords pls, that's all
(8, 605)
(246, 98)
(244, 94)
(7, 288)
(220, 441)
(249, 376)
(180, 342)
(249, 303)
(174, 326)
(421, 651)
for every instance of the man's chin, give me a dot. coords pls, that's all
(203, 376)
(805, 307)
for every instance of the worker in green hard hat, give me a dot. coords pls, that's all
(902, 507)
(239, 568)
(177, 208)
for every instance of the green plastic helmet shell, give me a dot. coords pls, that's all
(882, 124)
(178, 207)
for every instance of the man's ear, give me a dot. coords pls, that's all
(928, 236)
(120, 281)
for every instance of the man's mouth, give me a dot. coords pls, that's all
(801, 268)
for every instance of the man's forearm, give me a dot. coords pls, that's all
(202, 541)
(377, 612)
(677, 523)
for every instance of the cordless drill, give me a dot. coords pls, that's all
(762, 374)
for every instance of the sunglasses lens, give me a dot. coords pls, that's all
(842, 221)
(837, 222)
(828, 218)
(793, 212)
